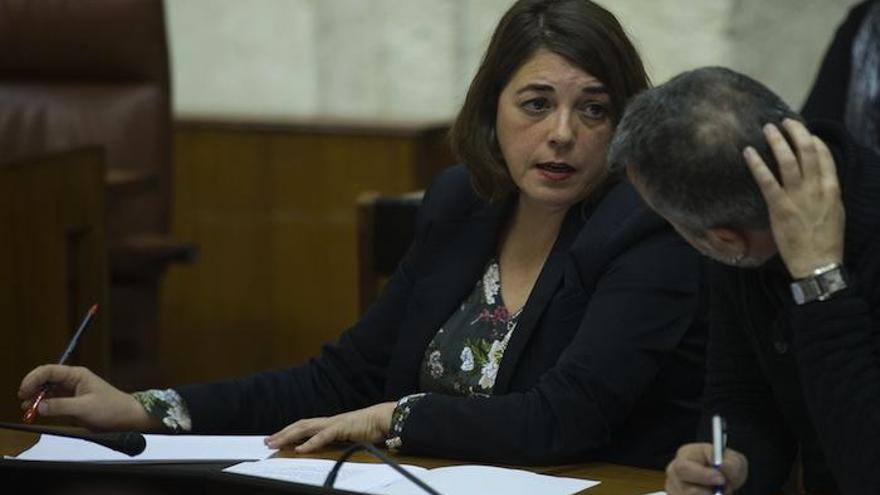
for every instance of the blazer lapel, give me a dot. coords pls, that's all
(545, 287)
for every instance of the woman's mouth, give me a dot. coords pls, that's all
(556, 171)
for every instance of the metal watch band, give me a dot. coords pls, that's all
(821, 285)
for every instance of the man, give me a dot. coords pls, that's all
(793, 216)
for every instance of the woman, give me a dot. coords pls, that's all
(542, 315)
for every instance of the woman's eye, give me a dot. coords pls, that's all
(594, 111)
(535, 105)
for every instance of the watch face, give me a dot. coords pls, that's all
(834, 281)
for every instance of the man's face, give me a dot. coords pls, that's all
(741, 249)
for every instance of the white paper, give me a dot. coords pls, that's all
(352, 476)
(383, 480)
(480, 480)
(159, 448)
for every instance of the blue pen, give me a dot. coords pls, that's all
(719, 441)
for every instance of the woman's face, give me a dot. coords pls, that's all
(553, 127)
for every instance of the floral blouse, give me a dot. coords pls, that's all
(463, 356)
(462, 359)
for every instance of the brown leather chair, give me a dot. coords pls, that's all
(75, 73)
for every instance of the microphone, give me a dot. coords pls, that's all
(130, 443)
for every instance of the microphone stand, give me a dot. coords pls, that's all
(130, 443)
(331, 476)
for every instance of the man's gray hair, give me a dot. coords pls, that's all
(683, 141)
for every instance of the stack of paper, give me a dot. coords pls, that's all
(383, 480)
(377, 479)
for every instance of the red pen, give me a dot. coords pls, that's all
(31, 413)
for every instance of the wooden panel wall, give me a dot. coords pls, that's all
(272, 209)
(52, 265)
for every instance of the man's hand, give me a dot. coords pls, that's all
(806, 213)
(370, 425)
(692, 473)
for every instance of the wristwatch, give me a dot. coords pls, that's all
(821, 285)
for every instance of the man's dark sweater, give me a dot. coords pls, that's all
(804, 381)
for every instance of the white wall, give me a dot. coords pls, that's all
(248, 58)
(782, 42)
(412, 59)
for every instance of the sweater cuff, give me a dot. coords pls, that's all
(847, 303)
(401, 412)
(168, 407)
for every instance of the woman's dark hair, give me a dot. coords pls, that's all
(582, 32)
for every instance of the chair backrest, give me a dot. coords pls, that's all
(386, 226)
(77, 73)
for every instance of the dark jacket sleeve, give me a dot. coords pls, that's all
(348, 375)
(636, 317)
(838, 353)
(737, 390)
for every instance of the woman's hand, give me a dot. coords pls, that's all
(80, 394)
(691, 471)
(806, 212)
(370, 424)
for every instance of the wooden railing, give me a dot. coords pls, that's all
(272, 207)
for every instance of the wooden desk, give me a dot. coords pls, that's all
(616, 479)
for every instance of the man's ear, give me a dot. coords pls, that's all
(727, 242)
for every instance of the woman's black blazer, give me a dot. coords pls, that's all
(606, 362)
